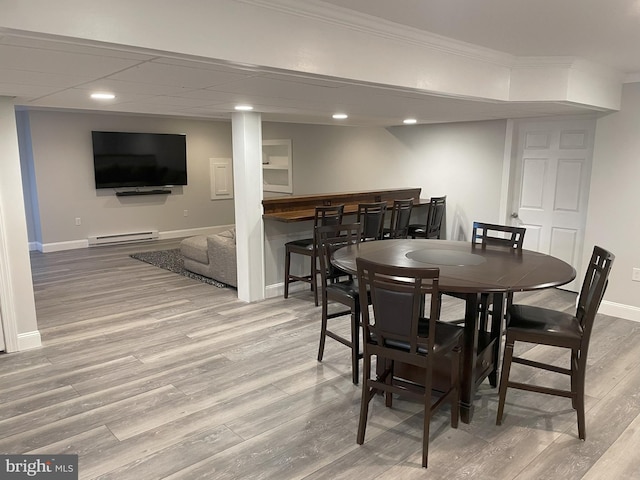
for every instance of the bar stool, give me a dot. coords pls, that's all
(323, 216)
(435, 215)
(400, 215)
(371, 217)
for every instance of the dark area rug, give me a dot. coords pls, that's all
(172, 260)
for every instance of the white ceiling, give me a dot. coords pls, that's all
(46, 73)
(603, 31)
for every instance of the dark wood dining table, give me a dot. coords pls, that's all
(468, 269)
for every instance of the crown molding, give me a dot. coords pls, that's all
(368, 24)
(567, 62)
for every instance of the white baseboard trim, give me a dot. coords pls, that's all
(273, 291)
(277, 289)
(194, 231)
(29, 340)
(74, 244)
(60, 246)
(619, 310)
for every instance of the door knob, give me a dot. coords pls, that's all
(514, 215)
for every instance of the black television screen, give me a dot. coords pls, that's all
(123, 159)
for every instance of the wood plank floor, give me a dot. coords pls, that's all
(146, 374)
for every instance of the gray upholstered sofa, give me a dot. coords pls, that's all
(213, 256)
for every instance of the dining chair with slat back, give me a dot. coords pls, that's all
(501, 235)
(395, 331)
(371, 217)
(435, 216)
(542, 326)
(323, 215)
(492, 315)
(400, 217)
(507, 236)
(335, 288)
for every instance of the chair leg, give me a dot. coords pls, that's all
(388, 396)
(579, 372)
(455, 382)
(496, 324)
(427, 421)
(504, 377)
(323, 329)
(574, 377)
(314, 277)
(287, 269)
(367, 395)
(355, 342)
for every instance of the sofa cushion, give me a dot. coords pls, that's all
(195, 248)
(228, 234)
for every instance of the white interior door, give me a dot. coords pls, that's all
(551, 187)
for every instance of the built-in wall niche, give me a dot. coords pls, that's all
(276, 166)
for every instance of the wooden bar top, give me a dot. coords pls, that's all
(302, 207)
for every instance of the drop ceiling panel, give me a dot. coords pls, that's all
(51, 61)
(48, 44)
(120, 87)
(161, 74)
(24, 92)
(79, 98)
(278, 88)
(51, 80)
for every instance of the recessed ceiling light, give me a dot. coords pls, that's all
(103, 96)
(409, 121)
(340, 116)
(244, 108)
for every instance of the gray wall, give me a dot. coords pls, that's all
(613, 221)
(461, 160)
(62, 164)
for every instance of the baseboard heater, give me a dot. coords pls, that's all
(122, 238)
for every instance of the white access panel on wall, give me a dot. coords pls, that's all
(221, 178)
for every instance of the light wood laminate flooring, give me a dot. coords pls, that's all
(146, 374)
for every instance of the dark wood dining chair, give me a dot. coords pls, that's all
(500, 235)
(338, 287)
(507, 236)
(400, 216)
(435, 215)
(323, 215)
(371, 217)
(542, 326)
(398, 335)
(491, 313)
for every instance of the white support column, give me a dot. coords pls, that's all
(247, 182)
(16, 285)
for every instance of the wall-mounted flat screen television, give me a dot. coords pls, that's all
(123, 159)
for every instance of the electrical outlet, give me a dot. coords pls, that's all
(78, 221)
(186, 213)
(635, 275)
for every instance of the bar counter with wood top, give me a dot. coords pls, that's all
(291, 218)
(302, 207)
